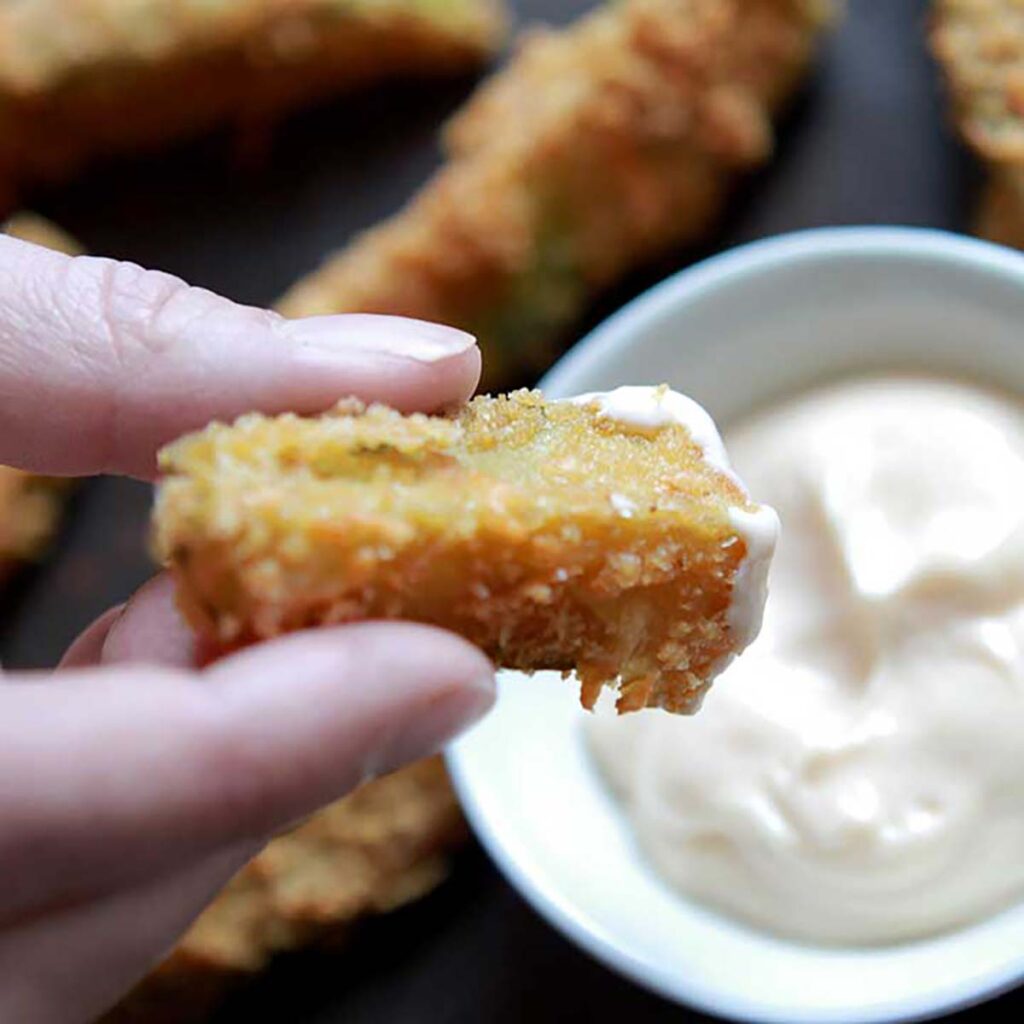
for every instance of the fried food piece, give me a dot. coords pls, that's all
(87, 78)
(30, 506)
(1001, 212)
(384, 845)
(597, 149)
(553, 535)
(980, 46)
(30, 227)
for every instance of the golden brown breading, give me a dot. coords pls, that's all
(30, 506)
(86, 78)
(30, 227)
(549, 535)
(980, 47)
(386, 844)
(1001, 211)
(598, 148)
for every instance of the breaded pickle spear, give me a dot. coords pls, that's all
(30, 508)
(87, 78)
(1000, 215)
(383, 846)
(599, 147)
(30, 227)
(30, 505)
(550, 534)
(980, 47)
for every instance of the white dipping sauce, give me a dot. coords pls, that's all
(858, 775)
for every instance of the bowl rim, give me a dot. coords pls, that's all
(607, 340)
(765, 255)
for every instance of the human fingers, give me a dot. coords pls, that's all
(69, 966)
(124, 359)
(87, 647)
(166, 765)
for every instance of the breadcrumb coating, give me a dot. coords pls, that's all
(386, 844)
(81, 79)
(30, 508)
(549, 536)
(598, 148)
(30, 227)
(980, 47)
(1001, 211)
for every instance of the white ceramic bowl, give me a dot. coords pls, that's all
(735, 332)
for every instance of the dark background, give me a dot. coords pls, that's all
(865, 144)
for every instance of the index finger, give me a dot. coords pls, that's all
(102, 362)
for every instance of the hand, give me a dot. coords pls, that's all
(132, 784)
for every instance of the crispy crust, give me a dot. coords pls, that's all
(670, 99)
(30, 508)
(980, 47)
(30, 227)
(550, 537)
(1001, 211)
(81, 79)
(383, 846)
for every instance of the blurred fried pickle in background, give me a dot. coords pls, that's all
(30, 508)
(384, 845)
(980, 47)
(81, 79)
(599, 148)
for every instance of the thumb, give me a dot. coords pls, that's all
(166, 765)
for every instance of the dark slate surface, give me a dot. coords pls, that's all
(865, 144)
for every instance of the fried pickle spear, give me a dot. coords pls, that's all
(30, 505)
(385, 845)
(88, 78)
(1000, 215)
(30, 508)
(598, 148)
(30, 227)
(980, 46)
(553, 535)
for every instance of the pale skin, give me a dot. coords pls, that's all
(133, 784)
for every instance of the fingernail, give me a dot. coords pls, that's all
(426, 730)
(379, 335)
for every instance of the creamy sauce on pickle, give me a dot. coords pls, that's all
(857, 776)
(649, 408)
